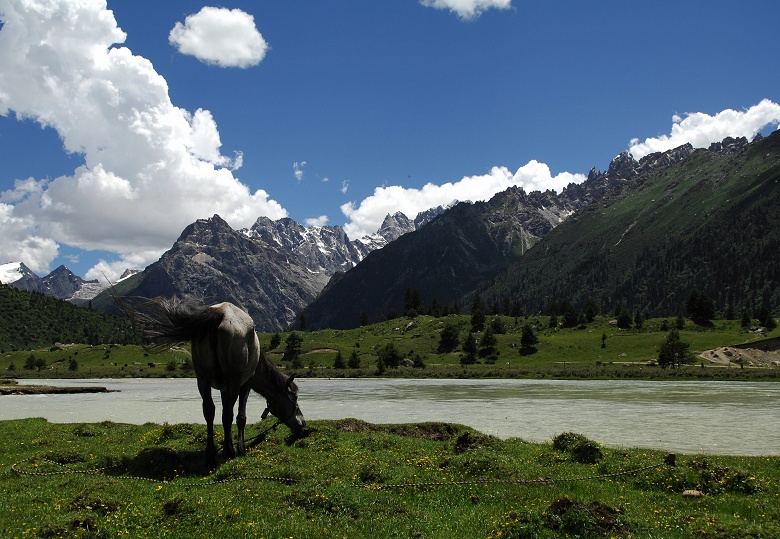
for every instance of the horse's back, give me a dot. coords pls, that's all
(234, 319)
(234, 349)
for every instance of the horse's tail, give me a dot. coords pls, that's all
(161, 323)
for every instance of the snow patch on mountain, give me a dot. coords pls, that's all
(11, 272)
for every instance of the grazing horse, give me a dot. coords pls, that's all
(226, 356)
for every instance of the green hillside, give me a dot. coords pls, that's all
(560, 352)
(711, 222)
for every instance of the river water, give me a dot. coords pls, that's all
(736, 418)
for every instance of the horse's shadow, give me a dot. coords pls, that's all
(167, 464)
(162, 464)
(289, 440)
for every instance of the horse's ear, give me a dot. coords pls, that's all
(290, 380)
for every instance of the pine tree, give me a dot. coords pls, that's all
(528, 338)
(469, 348)
(746, 320)
(673, 351)
(478, 314)
(487, 345)
(448, 339)
(354, 360)
(338, 361)
(624, 319)
(390, 356)
(292, 351)
(700, 308)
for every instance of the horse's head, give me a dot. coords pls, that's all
(284, 406)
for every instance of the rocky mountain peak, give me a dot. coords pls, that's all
(394, 226)
(729, 145)
(425, 217)
(622, 166)
(129, 272)
(62, 283)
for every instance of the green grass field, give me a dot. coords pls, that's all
(560, 353)
(343, 480)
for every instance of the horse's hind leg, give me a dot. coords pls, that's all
(204, 387)
(241, 417)
(229, 397)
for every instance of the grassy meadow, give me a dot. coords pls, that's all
(560, 353)
(352, 479)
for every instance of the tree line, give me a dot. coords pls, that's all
(34, 320)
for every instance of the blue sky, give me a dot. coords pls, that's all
(160, 113)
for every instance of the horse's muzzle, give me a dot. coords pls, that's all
(300, 423)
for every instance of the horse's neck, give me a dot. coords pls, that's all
(267, 379)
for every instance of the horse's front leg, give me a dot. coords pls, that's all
(228, 402)
(208, 414)
(241, 417)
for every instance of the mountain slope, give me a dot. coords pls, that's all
(468, 244)
(709, 222)
(33, 320)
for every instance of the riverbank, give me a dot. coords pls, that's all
(596, 350)
(11, 387)
(348, 478)
(709, 417)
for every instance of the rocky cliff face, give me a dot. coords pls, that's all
(327, 249)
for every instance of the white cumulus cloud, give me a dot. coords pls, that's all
(467, 9)
(322, 220)
(150, 168)
(701, 129)
(220, 36)
(366, 217)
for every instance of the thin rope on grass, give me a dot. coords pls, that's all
(668, 461)
(101, 470)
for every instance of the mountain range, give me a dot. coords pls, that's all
(272, 269)
(469, 247)
(641, 234)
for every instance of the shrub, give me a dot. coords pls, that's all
(580, 448)
(567, 440)
(587, 452)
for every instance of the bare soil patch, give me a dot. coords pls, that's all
(765, 353)
(427, 431)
